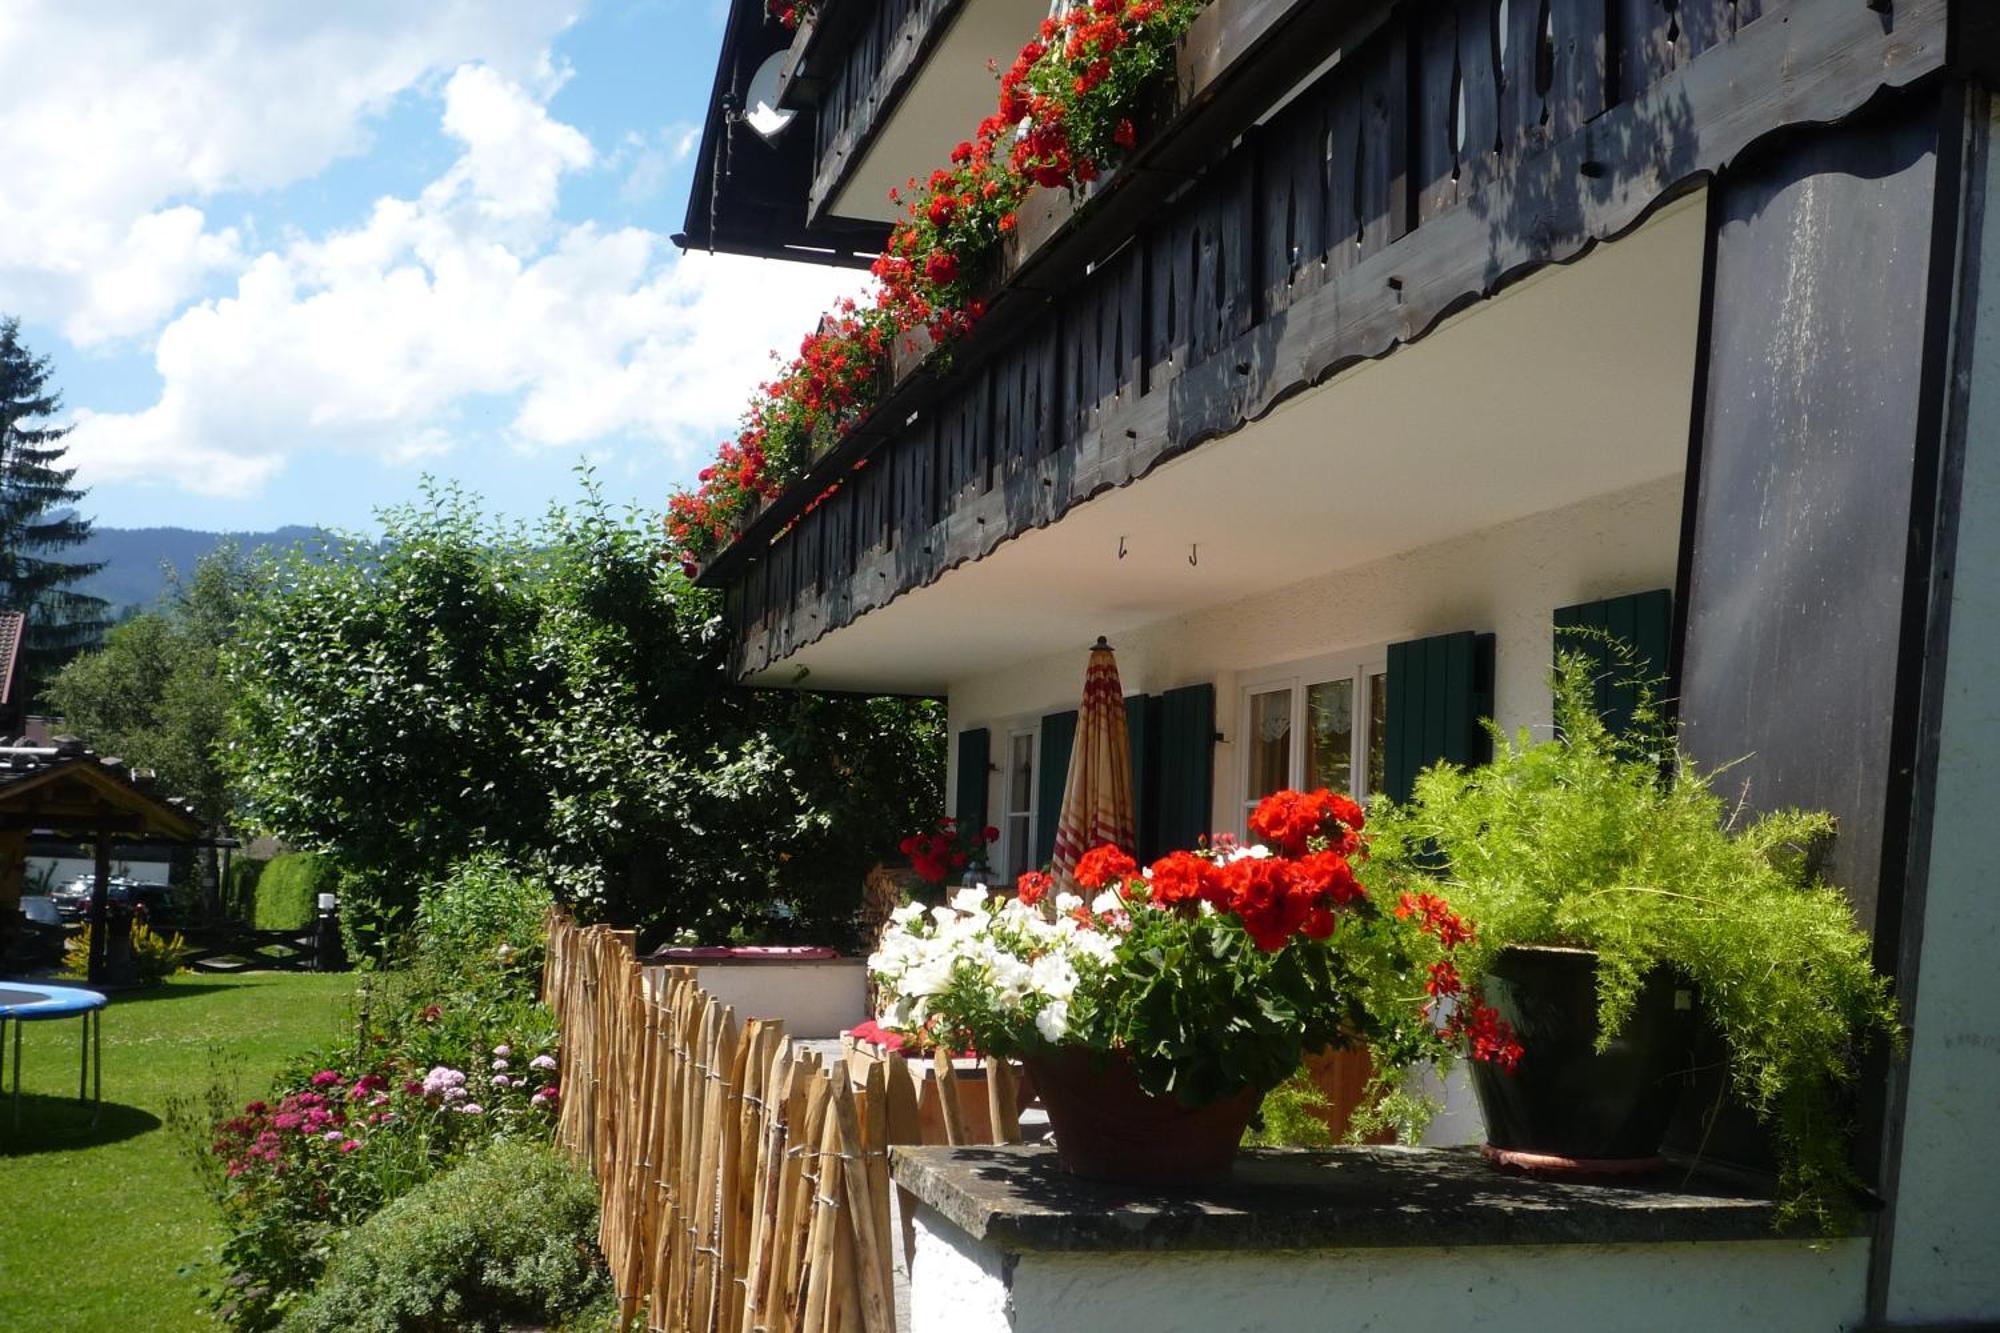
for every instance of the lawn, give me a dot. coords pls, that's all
(95, 1225)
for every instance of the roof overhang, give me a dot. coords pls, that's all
(750, 194)
(86, 795)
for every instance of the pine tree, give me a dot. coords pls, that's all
(38, 521)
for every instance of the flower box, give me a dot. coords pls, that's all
(816, 993)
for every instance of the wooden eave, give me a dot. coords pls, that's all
(748, 197)
(81, 796)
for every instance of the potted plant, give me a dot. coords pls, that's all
(947, 851)
(1155, 1013)
(1619, 904)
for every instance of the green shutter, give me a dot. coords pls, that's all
(975, 762)
(1142, 725)
(1643, 622)
(1058, 739)
(1440, 691)
(1186, 750)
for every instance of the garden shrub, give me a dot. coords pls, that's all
(156, 955)
(485, 914)
(427, 1079)
(507, 1237)
(289, 886)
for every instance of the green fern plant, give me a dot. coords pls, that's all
(1619, 844)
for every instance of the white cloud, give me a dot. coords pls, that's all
(118, 121)
(380, 339)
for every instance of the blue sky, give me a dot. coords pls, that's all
(289, 259)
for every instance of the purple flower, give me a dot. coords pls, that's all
(542, 1062)
(503, 1051)
(472, 1108)
(333, 1136)
(326, 1078)
(500, 1064)
(349, 1145)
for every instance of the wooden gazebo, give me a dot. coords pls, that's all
(63, 787)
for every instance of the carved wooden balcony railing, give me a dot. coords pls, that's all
(1463, 144)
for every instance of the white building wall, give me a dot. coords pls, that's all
(959, 1286)
(1507, 580)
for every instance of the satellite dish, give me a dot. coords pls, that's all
(763, 114)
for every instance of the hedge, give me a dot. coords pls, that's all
(288, 890)
(239, 888)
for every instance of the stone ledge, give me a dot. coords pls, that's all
(1018, 1199)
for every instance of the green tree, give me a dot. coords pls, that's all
(557, 693)
(37, 519)
(155, 695)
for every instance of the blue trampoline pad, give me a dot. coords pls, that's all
(27, 1001)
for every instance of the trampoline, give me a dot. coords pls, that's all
(23, 1002)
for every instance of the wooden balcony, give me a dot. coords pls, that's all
(1455, 147)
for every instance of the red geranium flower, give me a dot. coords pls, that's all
(1104, 865)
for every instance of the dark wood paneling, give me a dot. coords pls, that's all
(1807, 453)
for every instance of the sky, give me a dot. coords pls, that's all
(288, 259)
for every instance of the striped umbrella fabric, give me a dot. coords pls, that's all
(1097, 798)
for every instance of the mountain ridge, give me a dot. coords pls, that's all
(136, 560)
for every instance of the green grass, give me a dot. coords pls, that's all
(96, 1224)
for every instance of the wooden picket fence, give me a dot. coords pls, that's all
(745, 1188)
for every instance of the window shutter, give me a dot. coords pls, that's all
(1142, 725)
(1186, 748)
(1058, 739)
(1440, 689)
(1643, 622)
(975, 761)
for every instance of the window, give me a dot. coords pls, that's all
(1017, 824)
(1320, 724)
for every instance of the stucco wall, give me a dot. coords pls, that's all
(1507, 580)
(958, 1286)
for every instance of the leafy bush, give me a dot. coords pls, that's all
(1621, 846)
(155, 956)
(505, 1238)
(485, 915)
(288, 889)
(558, 693)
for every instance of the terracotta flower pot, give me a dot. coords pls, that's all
(1569, 1108)
(1108, 1128)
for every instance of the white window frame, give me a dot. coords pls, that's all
(1002, 871)
(1358, 665)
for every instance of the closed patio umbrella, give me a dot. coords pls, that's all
(1097, 798)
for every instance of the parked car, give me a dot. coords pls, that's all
(41, 909)
(72, 900)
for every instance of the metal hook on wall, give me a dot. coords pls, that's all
(1122, 552)
(1194, 555)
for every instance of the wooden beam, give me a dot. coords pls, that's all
(100, 902)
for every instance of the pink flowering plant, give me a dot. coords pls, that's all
(351, 1131)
